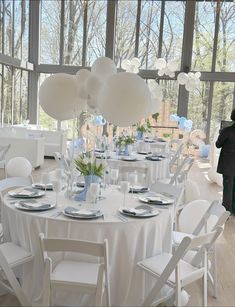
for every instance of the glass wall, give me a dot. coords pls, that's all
(14, 43)
(73, 33)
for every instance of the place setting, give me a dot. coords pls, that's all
(26, 192)
(158, 199)
(33, 205)
(141, 211)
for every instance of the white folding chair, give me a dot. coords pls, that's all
(8, 183)
(173, 271)
(11, 257)
(176, 156)
(3, 152)
(200, 217)
(78, 276)
(170, 190)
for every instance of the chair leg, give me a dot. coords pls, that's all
(204, 287)
(177, 288)
(214, 272)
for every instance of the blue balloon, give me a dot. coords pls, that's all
(99, 120)
(174, 117)
(204, 151)
(182, 122)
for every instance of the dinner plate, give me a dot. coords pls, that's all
(83, 217)
(149, 141)
(131, 159)
(144, 152)
(141, 215)
(19, 206)
(37, 193)
(152, 158)
(159, 200)
(41, 186)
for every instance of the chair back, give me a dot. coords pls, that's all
(176, 156)
(201, 216)
(184, 167)
(3, 151)
(99, 250)
(12, 182)
(12, 283)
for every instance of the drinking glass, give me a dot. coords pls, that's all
(57, 187)
(45, 179)
(114, 175)
(124, 188)
(133, 177)
(94, 192)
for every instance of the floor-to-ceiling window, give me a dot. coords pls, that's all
(73, 33)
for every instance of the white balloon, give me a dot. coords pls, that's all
(198, 74)
(136, 62)
(171, 74)
(82, 92)
(104, 67)
(82, 75)
(124, 99)
(182, 78)
(58, 96)
(18, 167)
(133, 69)
(173, 65)
(189, 87)
(161, 72)
(92, 101)
(160, 63)
(94, 85)
(125, 64)
(197, 136)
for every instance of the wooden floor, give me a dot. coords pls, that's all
(225, 246)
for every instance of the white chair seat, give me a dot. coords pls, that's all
(76, 273)
(157, 264)
(14, 254)
(179, 236)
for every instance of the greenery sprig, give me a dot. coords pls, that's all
(86, 165)
(124, 140)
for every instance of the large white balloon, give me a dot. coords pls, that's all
(82, 75)
(18, 167)
(94, 85)
(160, 63)
(104, 67)
(58, 96)
(124, 99)
(182, 78)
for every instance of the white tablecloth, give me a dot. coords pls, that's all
(129, 241)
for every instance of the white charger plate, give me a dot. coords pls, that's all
(165, 200)
(150, 214)
(20, 207)
(38, 193)
(83, 217)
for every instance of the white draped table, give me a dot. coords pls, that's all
(129, 242)
(156, 169)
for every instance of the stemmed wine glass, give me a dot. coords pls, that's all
(114, 175)
(45, 179)
(133, 177)
(57, 187)
(124, 187)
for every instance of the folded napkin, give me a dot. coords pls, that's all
(81, 212)
(140, 210)
(34, 205)
(154, 199)
(152, 158)
(43, 186)
(138, 189)
(24, 192)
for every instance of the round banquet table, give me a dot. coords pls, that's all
(129, 242)
(156, 169)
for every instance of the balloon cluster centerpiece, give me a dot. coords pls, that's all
(183, 123)
(166, 68)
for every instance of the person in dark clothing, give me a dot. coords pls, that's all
(226, 164)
